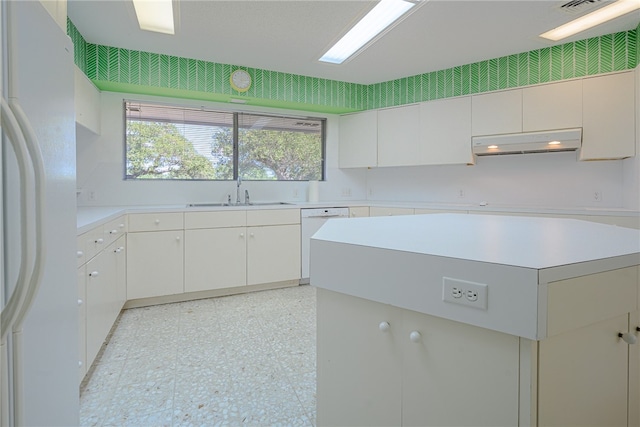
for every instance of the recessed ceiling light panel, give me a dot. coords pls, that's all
(155, 15)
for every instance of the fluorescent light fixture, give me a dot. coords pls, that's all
(597, 17)
(385, 13)
(555, 143)
(493, 147)
(155, 15)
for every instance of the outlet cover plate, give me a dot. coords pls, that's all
(464, 292)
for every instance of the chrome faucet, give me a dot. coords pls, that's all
(238, 190)
(246, 197)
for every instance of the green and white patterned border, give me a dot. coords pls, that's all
(133, 71)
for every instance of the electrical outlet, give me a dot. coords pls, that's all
(597, 196)
(92, 196)
(461, 194)
(464, 292)
(346, 192)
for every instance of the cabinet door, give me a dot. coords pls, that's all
(398, 136)
(100, 294)
(273, 254)
(215, 259)
(552, 106)
(496, 113)
(457, 375)
(155, 264)
(445, 132)
(82, 322)
(583, 376)
(359, 366)
(358, 146)
(608, 117)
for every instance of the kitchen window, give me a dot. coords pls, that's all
(181, 143)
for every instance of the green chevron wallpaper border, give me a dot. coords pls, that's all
(131, 71)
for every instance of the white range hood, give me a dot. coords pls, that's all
(529, 142)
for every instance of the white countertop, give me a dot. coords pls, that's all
(88, 217)
(527, 242)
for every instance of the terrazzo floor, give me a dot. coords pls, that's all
(245, 360)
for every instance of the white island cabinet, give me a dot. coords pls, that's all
(477, 320)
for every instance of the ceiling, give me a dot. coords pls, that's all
(290, 35)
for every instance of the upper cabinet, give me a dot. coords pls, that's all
(359, 140)
(552, 106)
(398, 136)
(608, 117)
(87, 102)
(496, 113)
(445, 132)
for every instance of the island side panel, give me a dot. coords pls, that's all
(415, 282)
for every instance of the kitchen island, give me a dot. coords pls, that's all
(451, 319)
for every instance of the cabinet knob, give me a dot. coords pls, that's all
(80, 363)
(80, 302)
(114, 231)
(251, 235)
(384, 326)
(415, 336)
(157, 221)
(638, 329)
(79, 254)
(100, 241)
(117, 250)
(94, 274)
(241, 234)
(177, 238)
(628, 338)
(121, 225)
(121, 248)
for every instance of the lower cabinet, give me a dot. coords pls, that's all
(155, 263)
(273, 254)
(380, 365)
(215, 258)
(583, 376)
(101, 295)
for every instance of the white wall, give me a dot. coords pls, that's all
(100, 169)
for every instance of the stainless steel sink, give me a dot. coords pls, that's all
(211, 205)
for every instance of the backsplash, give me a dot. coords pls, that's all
(134, 71)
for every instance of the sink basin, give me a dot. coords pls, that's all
(211, 205)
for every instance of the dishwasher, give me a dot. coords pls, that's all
(312, 220)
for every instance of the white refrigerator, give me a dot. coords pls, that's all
(39, 357)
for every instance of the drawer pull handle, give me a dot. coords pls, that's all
(628, 338)
(177, 238)
(157, 221)
(415, 336)
(100, 241)
(79, 254)
(94, 274)
(80, 363)
(113, 232)
(241, 234)
(80, 302)
(384, 326)
(121, 225)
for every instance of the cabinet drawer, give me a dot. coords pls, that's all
(114, 229)
(273, 217)
(220, 219)
(383, 211)
(156, 221)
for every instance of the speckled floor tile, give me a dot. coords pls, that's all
(245, 360)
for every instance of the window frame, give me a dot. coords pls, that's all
(236, 143)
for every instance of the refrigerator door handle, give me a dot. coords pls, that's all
(39, 197)
(13, 306)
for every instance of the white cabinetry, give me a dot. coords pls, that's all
(445, 132)
(87, 102)
(273, 246)
(496, 113)
(389, 211)
(609, 117)
(215, 250)
(380, 365)
(155, 255)
(398, 136)
(552, 106)
(359, 140)
(101, 286)
(358, 211)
